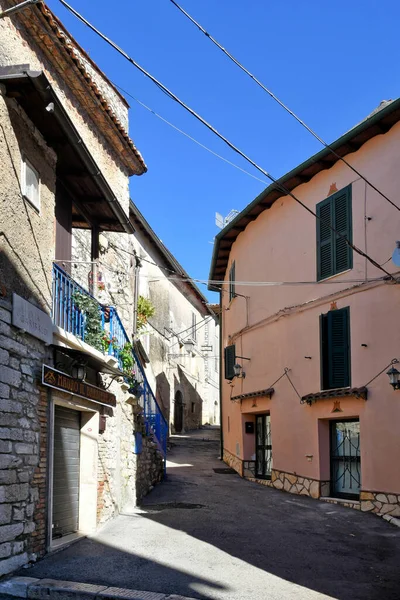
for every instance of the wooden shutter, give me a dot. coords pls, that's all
(342, 211)
(338, 350)
(333, 253)
(230, 358)
(324, 239)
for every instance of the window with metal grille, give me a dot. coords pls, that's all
(230, 358)
(232, 278)
(333, 253)
(335, 349)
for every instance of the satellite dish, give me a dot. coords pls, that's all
(396, 255)
(219, 220)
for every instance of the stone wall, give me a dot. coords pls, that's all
(22, 445)
(381, 503)
(233, 461)
(149, 464)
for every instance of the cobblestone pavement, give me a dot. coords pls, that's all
(216, 536)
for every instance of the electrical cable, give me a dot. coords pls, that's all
(286, 108)
(171, 95)
(187, 135)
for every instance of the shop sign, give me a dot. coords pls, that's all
(61, 381)
(31, 319)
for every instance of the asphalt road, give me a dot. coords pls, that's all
(217, 536)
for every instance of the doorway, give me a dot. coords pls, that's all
(66, 471)
(263, 446)
(178, 412)
(345, 459)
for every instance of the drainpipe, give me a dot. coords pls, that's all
(220, 376)
(138, 264)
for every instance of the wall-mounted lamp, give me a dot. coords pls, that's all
(78, 369)
(394, 377)
(189, 345)
(238, 370)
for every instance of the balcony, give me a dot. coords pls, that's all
(78, 313)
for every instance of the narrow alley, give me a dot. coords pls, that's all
(206, 533)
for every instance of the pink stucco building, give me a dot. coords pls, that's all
(306, 416)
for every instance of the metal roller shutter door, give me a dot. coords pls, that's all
(66, 471)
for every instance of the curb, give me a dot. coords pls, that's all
(389, 519)
(53, 589)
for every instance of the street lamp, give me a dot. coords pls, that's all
(78, 370)
(394, 377)
(238, 370)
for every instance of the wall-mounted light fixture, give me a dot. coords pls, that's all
(78, 369)
(189, 345)
(394, 376)
(238, 370)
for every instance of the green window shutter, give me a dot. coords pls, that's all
(338, 351)
(333, 253)
(230, 358)
(324, 239)
(342, 211)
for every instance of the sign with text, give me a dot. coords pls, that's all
(31, 319)
(61, 381)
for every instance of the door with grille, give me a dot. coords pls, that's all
(263, 446)
(345, 459)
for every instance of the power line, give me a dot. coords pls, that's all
(189, 136)
(171, 95)
(286, 108)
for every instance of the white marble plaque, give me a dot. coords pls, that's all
(31, 319)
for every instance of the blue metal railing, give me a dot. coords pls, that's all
(154, 418)
(67, 315)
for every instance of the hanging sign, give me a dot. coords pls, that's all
(61, 381)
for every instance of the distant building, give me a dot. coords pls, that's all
(180, 343)
(307, 405)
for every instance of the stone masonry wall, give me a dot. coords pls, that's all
(233, 461)
(22, 447)
(150, 465)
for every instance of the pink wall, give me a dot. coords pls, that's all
(281, 246)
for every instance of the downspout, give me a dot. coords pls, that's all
(138, 264)
(220, 377)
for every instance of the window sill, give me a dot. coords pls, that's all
(333, 276)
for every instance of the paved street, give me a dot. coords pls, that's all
(216, 536)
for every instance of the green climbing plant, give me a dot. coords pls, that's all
(145, 310)
(93, 330)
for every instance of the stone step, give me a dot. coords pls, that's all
(54, 589)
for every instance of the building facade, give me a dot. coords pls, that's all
(307, 406)
(78, 441)
(180, 341)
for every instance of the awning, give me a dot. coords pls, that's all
(94, 201)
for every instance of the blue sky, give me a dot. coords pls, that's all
(332, 63)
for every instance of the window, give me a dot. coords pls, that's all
(193, 407)
(194, 332)
(232, 278)
(333, 253)
(30, 183)
(335, 349)
(230, 358)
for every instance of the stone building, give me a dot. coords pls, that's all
(316, 413)
(180, 342)
(77, 441)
